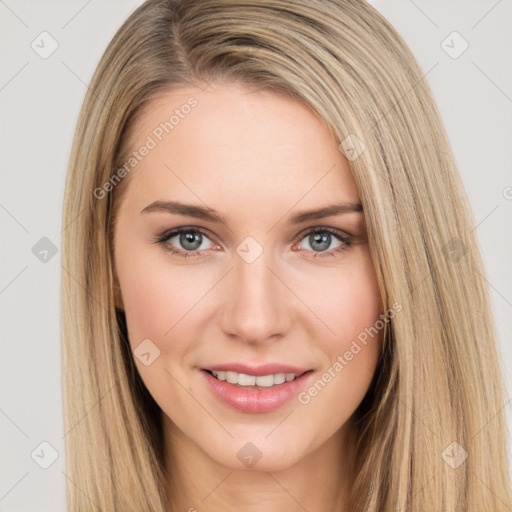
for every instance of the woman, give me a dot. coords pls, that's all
(272, 295)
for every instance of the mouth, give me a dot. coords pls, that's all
(256, 389)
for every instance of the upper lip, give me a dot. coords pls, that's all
(257, 371)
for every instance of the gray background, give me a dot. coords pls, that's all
(40, 99)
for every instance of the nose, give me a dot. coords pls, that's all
(256, 306)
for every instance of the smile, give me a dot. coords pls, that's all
(255, 389)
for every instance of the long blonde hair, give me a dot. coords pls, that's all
(438, 380)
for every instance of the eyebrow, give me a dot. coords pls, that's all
(210, 214)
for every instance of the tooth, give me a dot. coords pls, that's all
(243, 379)
(279, 378)
(232, 377)
(246, 380)
(265, 381)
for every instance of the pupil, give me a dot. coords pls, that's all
(190, 240)
(322, 239)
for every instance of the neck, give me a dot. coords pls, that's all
(196, 482)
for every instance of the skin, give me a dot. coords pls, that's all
(256, 158)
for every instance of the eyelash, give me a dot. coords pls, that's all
(164, 237)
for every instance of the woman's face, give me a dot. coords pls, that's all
(227, 263)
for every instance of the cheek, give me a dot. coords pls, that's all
(148, 305)
(352, 312)
(348, 303)
(156, 300)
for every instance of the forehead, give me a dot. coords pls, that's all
(228, 143)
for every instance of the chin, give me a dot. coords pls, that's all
(260, 454)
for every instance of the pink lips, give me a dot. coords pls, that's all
(254, 399)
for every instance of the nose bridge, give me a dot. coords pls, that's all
(255, 307)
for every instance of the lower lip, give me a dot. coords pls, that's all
(256, 400)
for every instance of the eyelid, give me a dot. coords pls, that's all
(319, 228)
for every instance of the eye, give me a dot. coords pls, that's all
(185, 242)
(325, 242)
